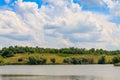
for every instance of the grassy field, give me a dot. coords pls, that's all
(59, 57)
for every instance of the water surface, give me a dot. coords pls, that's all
(59, 72)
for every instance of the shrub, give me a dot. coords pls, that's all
(82, 60)
(101, 60)
(7, 53)
(74, 61)
(20, 60)
(116, 59)
(91, 61)
(53, 60)
(1, 61)
(36, 60)
(66, 60)
(117, 64)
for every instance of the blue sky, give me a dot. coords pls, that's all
(60, 23)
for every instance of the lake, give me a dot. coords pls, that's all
(59, 72)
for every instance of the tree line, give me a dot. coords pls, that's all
(38, 60)
(10, 51)
(35, 60)
(81, 60)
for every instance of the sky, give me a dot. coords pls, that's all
(60, 23)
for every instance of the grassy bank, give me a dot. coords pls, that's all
(117, 64)
(59, 58)
(36, 56)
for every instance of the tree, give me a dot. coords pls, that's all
(92, 50)
(91, 61)
(66, 60)
(36, 60)
(74, 60)
(85, 60)
(20, 60)
(116, 59)
(53, 60)
(101, 60)
(7, 53)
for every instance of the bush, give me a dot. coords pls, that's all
(117, 64)
(53, 60)
(20, 60)
(74, 61)
(116, 59)
(36, 60)
(7, 53)
(71, 60)
(82, 60)
(66, 60)
(91, 61)
(1, 61)
(101, 60)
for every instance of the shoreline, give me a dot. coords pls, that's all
(56, 64)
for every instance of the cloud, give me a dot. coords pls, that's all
(7, 1)
(11, 24)
(58, 24)
(113, 6)
(74, 26)
(6, 42)
(92, 3)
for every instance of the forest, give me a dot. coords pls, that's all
(37, 55)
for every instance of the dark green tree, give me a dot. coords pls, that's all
(36, 60)
(102, 60)
(20, 60)
(66, 60)
(116, 59)
(7, 53)
(53, 60)
(74, 61)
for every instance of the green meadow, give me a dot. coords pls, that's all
(47, 56)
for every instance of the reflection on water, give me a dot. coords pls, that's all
(59, 72)
(54, 78)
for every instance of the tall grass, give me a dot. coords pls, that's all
(58, 57)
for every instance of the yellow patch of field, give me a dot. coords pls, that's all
(59, 58)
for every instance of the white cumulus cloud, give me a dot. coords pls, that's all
(58, 24)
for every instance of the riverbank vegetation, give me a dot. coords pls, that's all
(40, 56)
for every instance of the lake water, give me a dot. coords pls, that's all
(59, 72)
